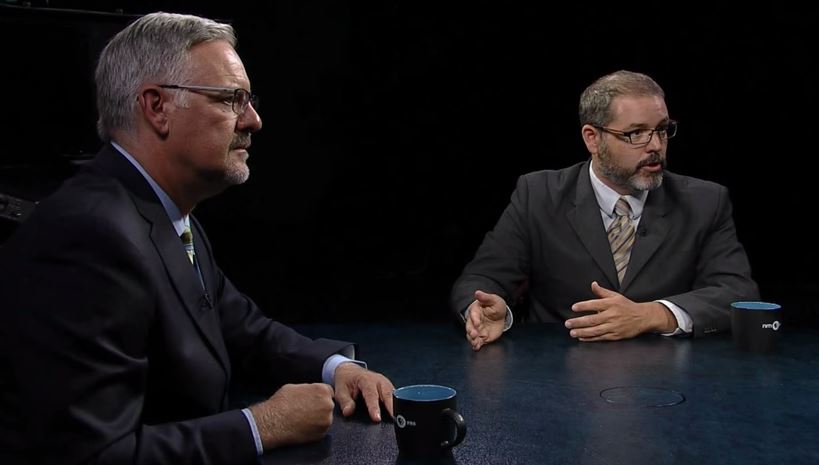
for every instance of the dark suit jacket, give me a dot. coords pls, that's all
(110, 351)
(550, 243)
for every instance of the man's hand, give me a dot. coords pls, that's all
(352, 380)
(485, 319)
(618, 317)
(295, 414)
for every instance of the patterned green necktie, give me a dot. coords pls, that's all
(187, 240)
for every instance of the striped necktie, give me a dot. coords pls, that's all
(621, 237)
(187, 240)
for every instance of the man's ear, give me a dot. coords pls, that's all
(591, 138)
(154, 106)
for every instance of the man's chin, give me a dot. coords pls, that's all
(647, 182)
(236, 178)
(237, 173)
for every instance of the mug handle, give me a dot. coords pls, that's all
(460, 428)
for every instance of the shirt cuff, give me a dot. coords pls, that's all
(684, 323)
(328, 372)
(507, 322)
(253, 429)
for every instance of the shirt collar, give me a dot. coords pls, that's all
(607, 197)
(179, 222)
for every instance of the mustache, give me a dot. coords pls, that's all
(655, 157)
(240, 141)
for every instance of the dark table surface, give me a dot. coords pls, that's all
(539, 397)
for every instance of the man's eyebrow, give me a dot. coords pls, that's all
(634, 126)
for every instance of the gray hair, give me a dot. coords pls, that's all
(154, 48)
(595, 101)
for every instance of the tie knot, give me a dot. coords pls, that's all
(186, 236)
(622, 208)
(187, 240)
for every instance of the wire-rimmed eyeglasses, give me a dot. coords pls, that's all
(239, 99)
(643, 136)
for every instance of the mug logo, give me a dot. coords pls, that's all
(774, 326)
(400, 421)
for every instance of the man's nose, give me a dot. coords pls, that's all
(656, 143)
(249, 120)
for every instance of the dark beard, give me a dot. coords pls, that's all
(630, 180)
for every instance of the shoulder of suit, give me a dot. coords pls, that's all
(89, 197)
(96, 189)
(674, 181)
(568, 173)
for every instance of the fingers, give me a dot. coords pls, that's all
(370, 394)
(475, 330)
(474, 338)
(476, 334)
(295, 414)
(385, 391)
(345, 399)
(372, 391)
(317, 391)
(587, 306)
(373, 387)
(486, 299)
(599, 304)
(475, 316)
(492, 306)
(616, 317)
(601, 338)
(327, 388)
(346, 388)
(587, 321)
(472, 326)
(485, 319)
(600, 332)
(588, 326)
(477, 344)
(601, 291)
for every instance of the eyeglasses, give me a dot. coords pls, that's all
(239, 99)
(643, 136)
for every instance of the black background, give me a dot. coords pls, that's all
(394, 131)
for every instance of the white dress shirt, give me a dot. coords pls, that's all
(606, 198)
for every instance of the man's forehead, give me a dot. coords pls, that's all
(217, 59)
(638, 109)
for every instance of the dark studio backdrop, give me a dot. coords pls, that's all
(394, 132)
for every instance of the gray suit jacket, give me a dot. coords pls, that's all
(550, 244)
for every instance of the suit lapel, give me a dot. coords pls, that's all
(655, 225)
(185, 280)
(586, 219)
(181, 273)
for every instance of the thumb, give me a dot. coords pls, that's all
(345, 400)
(601, 291)
(485, 299)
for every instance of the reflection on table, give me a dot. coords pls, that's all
(538, 396)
